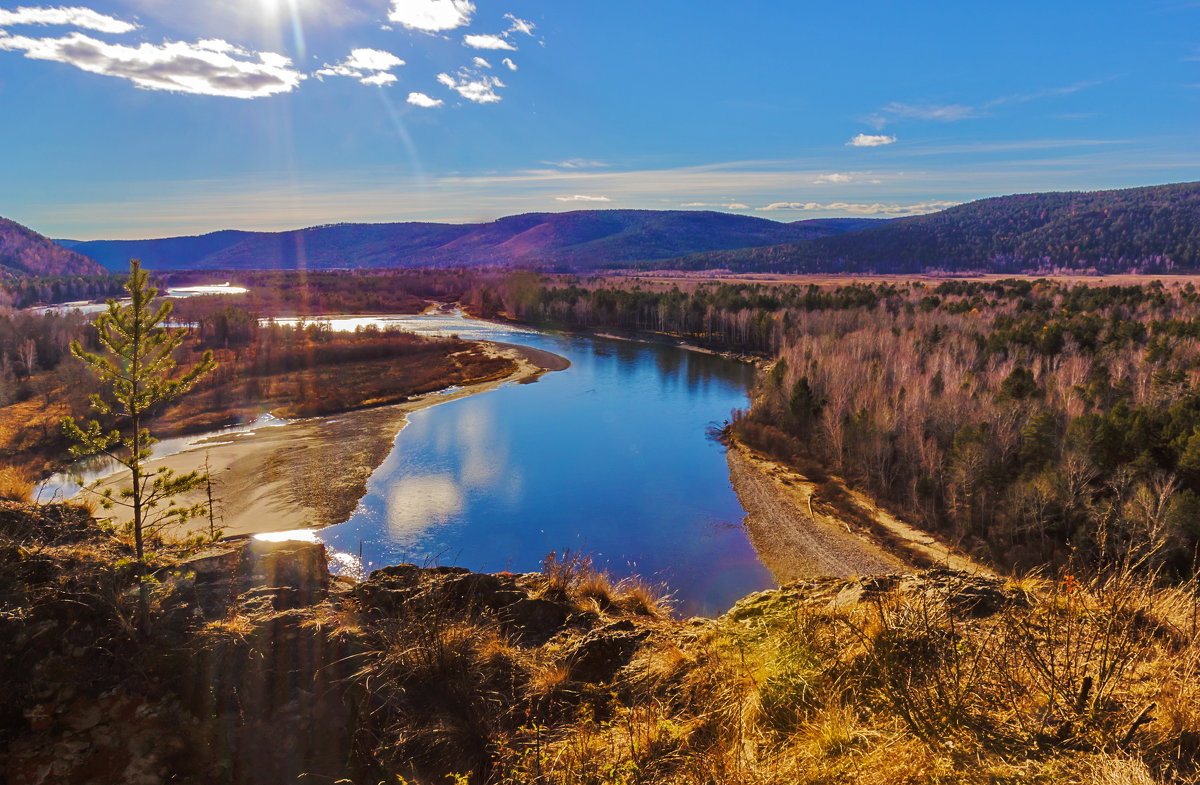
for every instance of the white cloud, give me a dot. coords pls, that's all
(878, 208)
(487, 41)
(481, 63)
(208, 67)
(74, 16)
(472, 86)
(835, 177)
(728, 206)
(576, 163)
(380, 79)
(508, 62)
(422, 100)
(520, 25)
(582, 198)
(372, 60)
(871, 140)
(432, 16)
(369, 66)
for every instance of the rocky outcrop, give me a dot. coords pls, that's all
(965, 594)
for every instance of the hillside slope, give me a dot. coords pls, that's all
(1151, 229)
(584, 239)
(25, 252)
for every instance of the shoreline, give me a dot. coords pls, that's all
(801, 529)
(311, 473)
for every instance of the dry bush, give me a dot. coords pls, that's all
(15, 486)
(640, 598)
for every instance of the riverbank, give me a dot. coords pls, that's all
(312, 472)
(802, 529)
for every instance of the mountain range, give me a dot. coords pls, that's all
(579, 240)
(1151, 229)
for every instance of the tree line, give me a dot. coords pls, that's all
(1027, 420)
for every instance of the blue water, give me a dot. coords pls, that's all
(608, 458)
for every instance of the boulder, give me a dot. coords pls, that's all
(599, 654)
(297, 564)
(535, 619)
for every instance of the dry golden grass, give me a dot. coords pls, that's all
(15, 485)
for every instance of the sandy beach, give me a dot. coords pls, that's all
(312, 472)
(802, 529)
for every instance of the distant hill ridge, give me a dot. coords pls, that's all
(584, 240)
(24, 252)
(1153, 229)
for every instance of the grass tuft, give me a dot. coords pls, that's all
(15, 486)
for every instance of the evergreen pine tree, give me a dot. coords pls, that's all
(136, 368)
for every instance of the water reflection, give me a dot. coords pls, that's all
(416, 503)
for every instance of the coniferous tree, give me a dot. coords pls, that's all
(136, 368)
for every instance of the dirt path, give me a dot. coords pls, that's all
(802, 529)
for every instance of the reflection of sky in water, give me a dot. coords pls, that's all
(608, 458)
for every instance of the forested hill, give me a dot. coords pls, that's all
(579, 240)
(24, 252)
(1154, 229)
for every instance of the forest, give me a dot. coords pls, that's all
(1029, 421)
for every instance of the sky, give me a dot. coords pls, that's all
(150, 118)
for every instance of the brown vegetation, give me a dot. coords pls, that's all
(261, 667)
(292, 372)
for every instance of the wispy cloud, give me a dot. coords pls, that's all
(488, 41)
(424, 101)
(942, 113)
(834, 177)
(395, 194)
(520, 25)
(432, 16)
(952, 113)
(83, 18)
(724, 206)
(582, 198)
(1046, 92)
(576, 163)
(871, 140)
(369, 66)
(479, 62)
(508, 62)
(1025, 145)
(473, 86)
(208, 67)
(877, 208)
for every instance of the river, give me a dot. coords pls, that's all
(608, 458)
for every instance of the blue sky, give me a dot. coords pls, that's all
(145, 118)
